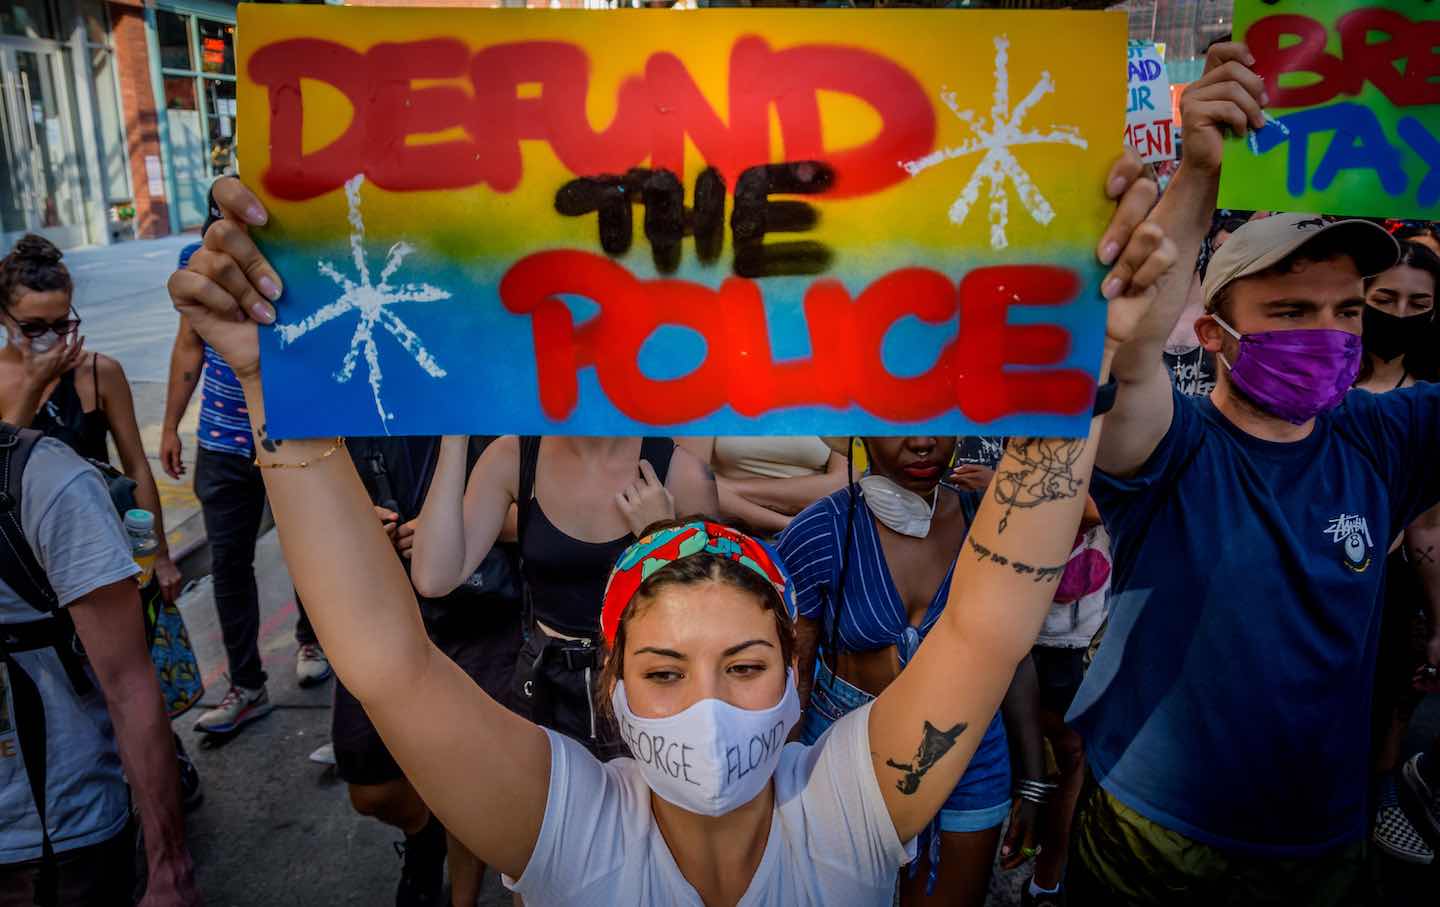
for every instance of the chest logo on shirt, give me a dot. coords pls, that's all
(1352, 534)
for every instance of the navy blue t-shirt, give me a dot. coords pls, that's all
(1230, 699)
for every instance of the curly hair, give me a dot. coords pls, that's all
(33, 264)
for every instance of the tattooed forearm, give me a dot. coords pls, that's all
(1422, 556)
(1039, 574)
(935, 744)
(1045, 472)
(187, 376)
(266, 441)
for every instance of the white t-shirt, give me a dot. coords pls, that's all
(831, 843)
(71, 525)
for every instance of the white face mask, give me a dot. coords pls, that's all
(713, 757)
(42, 344)
(901, 509)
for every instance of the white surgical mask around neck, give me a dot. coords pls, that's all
(901, 509)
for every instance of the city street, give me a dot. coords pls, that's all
(276, 828)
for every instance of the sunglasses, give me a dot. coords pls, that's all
(33, 330)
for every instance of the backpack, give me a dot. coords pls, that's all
(55, 630)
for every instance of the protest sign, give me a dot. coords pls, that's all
(1149, 124)
(1354, 115)
(730, 222)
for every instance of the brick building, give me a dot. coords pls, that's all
(114, 115)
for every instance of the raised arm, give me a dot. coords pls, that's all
(437, 722)
(790, 496)
(692, 485)
(461, 519)
(926, 725)
(187, 358)
(1227, 96)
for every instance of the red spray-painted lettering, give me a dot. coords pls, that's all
(1404, 41)
(654, 114)
(846, 335)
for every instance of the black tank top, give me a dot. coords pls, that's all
(63, 417)
(565, 577)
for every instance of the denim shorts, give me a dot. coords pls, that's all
(982, 798)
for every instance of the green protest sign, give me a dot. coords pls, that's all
(1353, 124)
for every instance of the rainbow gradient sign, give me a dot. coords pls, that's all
(658, 222)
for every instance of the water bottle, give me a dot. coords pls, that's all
(144, 544)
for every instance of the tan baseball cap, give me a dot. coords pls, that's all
(1265, 243)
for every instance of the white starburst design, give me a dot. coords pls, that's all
(371, 302)
(996, 138)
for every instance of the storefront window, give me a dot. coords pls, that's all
(91, 14)
(113, 162)
(173, 32)
(27, 19)
(217, 47)
(220, 109)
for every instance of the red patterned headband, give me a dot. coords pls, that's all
(656, 550)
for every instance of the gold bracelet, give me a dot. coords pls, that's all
(339, 443)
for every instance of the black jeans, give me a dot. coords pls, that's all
(232, 500)
(101, 875)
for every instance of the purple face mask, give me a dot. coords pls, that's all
(1295, 375)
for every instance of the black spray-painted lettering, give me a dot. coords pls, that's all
(667, 221)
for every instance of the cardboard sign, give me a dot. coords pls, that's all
(731, 222)
(1354, 115)
(1149, 123)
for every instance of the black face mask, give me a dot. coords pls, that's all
(1389, 336)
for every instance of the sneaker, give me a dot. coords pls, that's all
(311, 665)
(325, 755)
(1422, 800)
(190, 793)
(422, 875)
(1044, 899)
(239, 707)
(1394, 836)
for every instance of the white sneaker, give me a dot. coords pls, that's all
(311, 665)
(239, 707)
(325, 755)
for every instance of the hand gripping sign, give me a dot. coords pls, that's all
(721, 222)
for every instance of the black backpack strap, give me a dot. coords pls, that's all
(29, 711)
(18, 566)
(659, 452)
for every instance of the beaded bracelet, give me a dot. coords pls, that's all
(339, 443)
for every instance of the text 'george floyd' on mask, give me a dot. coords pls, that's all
(713, 757)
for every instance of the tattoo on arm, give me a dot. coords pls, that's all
(1038, 574)
(188, 376)
(1046, 472)
(935, 744)
(1423, 557)
(266, 441)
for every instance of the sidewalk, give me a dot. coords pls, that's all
(126, 314)
(276, 828)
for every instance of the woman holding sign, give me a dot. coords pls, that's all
(714, 809)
